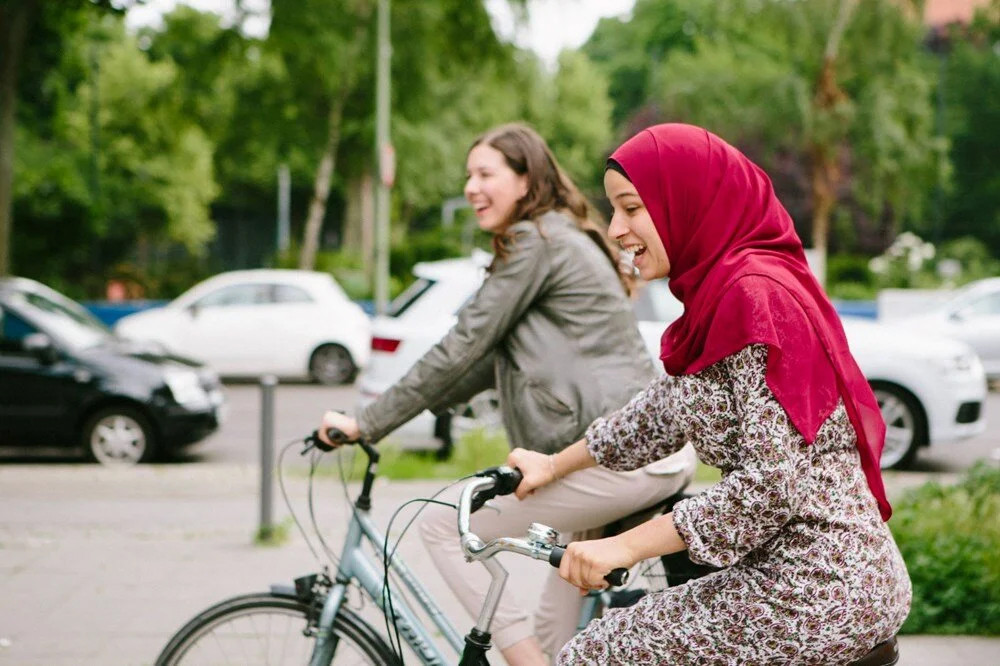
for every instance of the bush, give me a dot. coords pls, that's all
(852, 291)
(950, 539)
(848, 268)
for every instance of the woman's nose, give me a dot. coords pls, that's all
(617, 228)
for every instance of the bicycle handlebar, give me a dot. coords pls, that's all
(617, 577)
(497, 481)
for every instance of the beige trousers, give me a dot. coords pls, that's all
(581, 502)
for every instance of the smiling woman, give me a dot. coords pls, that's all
(551, 315)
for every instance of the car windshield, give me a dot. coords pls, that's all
(402, 302)
(63, 319)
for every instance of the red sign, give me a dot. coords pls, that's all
(387, 165)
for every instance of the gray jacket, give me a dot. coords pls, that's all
(550, 328)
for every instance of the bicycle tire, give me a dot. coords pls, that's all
(235, 631)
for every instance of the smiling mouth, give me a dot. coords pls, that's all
(634, 251)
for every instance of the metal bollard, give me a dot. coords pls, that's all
(267, 385)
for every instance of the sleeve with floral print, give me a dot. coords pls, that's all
(759, 493)
(639, 433)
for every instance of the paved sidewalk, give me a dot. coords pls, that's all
(98, 567)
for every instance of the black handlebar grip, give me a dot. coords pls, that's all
(616, 578)
(508, 479)
(337, 436)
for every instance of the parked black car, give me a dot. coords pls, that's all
(67, 381)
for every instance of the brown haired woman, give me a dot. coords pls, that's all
(553, 331)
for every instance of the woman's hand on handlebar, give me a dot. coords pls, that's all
(586, 563)
(343, 423)
(536, 468)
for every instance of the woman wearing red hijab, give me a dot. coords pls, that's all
(761, 381)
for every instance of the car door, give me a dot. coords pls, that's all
(223, 328)
(37, 398)
(295, 320)
(978, 323)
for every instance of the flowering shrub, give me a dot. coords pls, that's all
(905, 263)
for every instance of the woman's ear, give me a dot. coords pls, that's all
(525, 186)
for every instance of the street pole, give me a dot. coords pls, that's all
(265, 530)
(283, 240)
(384, 158)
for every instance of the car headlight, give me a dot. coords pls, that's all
(185, 386)
(958, 365)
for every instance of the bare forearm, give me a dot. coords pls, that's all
(572, 459)
(652, 538)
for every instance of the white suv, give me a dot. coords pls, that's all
(931, 389)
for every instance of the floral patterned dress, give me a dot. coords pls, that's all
(812, 574)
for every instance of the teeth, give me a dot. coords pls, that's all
(625, 262)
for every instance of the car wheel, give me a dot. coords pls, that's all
(906, 426)
(332, 364)
(119, 436)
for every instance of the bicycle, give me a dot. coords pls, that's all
(315, 626)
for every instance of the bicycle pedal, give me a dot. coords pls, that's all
(624, 598)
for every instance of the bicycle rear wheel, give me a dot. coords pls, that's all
(269, 630)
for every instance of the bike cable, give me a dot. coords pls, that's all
(313, 464)
(288, 503)
(387, 556)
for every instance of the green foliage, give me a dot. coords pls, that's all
(346, 266)
(972, 255)
(848, 268)
(849, 278)
(117, 160)
(748, 70)
(274, 535)
(950, 539)
(851, 291)
(970, 86)
(912, 262)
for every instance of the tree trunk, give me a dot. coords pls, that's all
(14, 23)
(359, 219)
(824, 149)
(321, 186)
(328, 162)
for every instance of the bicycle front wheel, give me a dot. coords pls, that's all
(269, 630)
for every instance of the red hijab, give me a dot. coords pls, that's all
(738, 267)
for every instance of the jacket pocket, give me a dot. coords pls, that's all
(545, 398)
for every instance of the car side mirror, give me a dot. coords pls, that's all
(193, 310)
(40, 345)
(956, 317)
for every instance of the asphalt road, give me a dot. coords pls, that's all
(298, 408)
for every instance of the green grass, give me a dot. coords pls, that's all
(475, 450)
(277, 535)
(706, 474)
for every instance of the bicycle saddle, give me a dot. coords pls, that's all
(885, 653)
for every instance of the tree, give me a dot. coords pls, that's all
(971, 86)
(44, 25)
(799, 87)
(108, 158)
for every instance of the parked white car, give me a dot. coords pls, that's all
(417, 319)
(971, 314)
(931, 389)
(294, 324)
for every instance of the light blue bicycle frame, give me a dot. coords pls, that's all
(356, 565)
